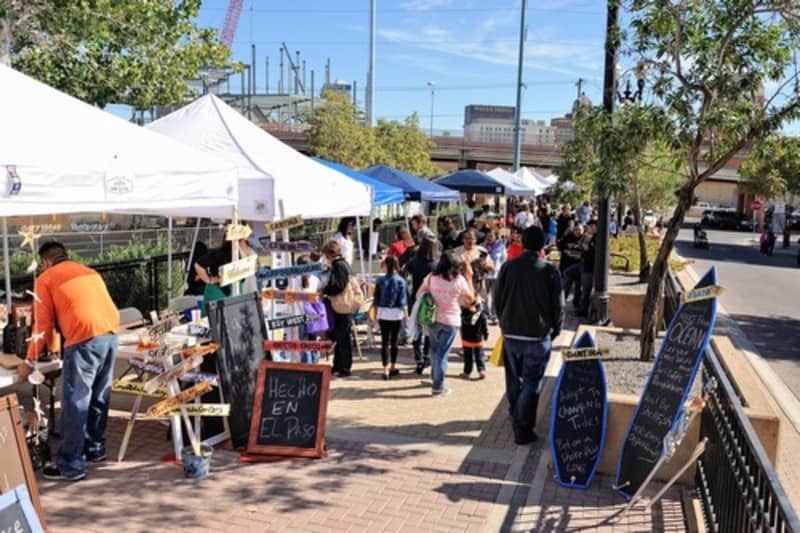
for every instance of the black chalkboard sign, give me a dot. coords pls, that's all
(289, 409)
(237, 325)
(17, 514)
(578, 419)
(666, 390)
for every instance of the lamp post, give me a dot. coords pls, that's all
(432, 85)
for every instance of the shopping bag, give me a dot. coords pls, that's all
(497, 353)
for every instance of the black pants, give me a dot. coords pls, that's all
(343, 351)
(478, 356)
(389, 332)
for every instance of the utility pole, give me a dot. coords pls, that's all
(280, 81)
(602, 260)
(266, 75)
(580, 87)
(523, 30)
(432, 85)
(371, 72)
(328, 72)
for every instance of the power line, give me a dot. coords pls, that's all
(413, 88)
(312, 11)
(436, 41)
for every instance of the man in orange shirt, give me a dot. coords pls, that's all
(74, 299)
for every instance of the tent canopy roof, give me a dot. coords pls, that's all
(532, 178)
(72, 157)
(473, 181)
(513, 184)
(382, 194)
(271, 172)
(415, 188)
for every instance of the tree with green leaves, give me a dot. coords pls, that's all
(711, 62)
(772, 168)
(337, 133)
(405, 146)
(136, 52)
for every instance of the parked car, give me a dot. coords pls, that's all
(726, 219)
(650, 219)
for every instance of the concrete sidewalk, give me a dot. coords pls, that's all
(399, 460)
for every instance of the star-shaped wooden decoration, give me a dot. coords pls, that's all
(28, 238)
(32, 267)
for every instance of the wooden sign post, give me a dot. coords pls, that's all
(292, 321)
(290, 296)
(289, 410)
(237, 232)
(296, 270)
(667, 388)
(238, 270)
(285, 246)
(284, 224)
(298, 346)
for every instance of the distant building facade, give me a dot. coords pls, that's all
(495, 124)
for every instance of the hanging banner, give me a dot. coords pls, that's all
(286, 223)
(290, 296)
(298, 346)
(292, 321)
(296, 270)
(170, 404)
(237, 232)
(238, 270)
(285, 246)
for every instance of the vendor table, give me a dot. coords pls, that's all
(51, 371)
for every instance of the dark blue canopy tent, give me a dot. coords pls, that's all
(382, 193)
(416, 189)
(474, 181)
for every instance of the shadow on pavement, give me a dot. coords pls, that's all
(776, 337)
(736, 253)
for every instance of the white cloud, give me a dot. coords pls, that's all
(425, 5)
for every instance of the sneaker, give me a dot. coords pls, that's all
(463, 375)
(442, 392)
(481, 375)
(96, 458)
(394, 372)
(522, 441)
(420, 367)
(53, 473)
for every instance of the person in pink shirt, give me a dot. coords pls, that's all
(450, 290)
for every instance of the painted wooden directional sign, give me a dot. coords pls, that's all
(125, 386)
(162, 326)
(292, 321)
(205, 409)
(290, 296)
(667, 388)
(296, 270)
(238, 270)
(285, 246)
(165, 407)
(237, 232)
(177, 371)
(702, 293)
(580, 354)
(298, 346)
(579, 416)
(286, 223)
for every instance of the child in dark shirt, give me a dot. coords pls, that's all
(474, 330)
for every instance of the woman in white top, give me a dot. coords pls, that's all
(344, 236)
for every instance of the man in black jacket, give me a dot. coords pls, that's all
(529, 302)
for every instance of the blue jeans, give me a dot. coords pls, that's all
(442, 338)
(525, 362)
(87, 373)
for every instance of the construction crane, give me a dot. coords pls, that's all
(228, 31)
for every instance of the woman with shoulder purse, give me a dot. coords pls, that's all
(338, 282)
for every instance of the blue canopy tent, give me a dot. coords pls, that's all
(416, 189)
(382, 193)
(475, 181)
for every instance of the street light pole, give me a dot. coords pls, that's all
(371, 72)
(520, 64)
(432, 85)
(602, 261)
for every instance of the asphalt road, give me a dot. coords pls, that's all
(762, 296)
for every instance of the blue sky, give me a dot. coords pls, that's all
(467, 47)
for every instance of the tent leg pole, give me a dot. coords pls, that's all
(370, 337)
(190, 264)
(363, 274)
(169, 259)
(6, 266)
(235, 251)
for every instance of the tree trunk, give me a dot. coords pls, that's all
(5, 41)
(644, 264)
(655, 286)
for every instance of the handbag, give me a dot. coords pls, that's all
(320, 325)
(427, 310)
(350, 299)
(497, 353)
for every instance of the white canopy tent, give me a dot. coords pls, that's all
(61, 155)
(515, 183)
(270, 172)
(533, 179)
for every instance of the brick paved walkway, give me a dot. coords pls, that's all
(398, 460)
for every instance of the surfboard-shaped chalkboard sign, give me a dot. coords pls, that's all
(579, 416)
(668, 385)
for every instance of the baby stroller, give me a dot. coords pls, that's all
(700, 237)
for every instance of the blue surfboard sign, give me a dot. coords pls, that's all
(671, 378)
(578, 418)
